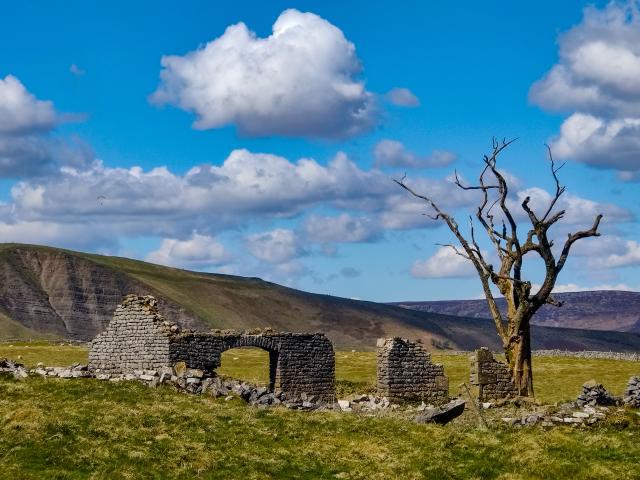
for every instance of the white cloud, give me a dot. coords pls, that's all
(572, 287)
(391, 153)
(578, 210)
(403, 97)
(600, 142)
(630, 255)
(599, 67)
(69, 235)
(278, 246)
(341, 229)
(299, 81)
(445, 263)
(207, 198)
(27, 146)
(197, 251)
(20, 111)
(598, 78)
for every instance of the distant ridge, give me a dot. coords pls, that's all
(611, 310)
(58, 293)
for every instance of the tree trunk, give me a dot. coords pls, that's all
(518, 354)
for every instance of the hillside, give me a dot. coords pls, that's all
(59, 293)
(609, 310)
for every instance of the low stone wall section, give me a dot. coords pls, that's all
(493, 378)
(405, 373)
(589, 354)
(139, 338)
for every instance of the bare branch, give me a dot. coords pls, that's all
(455, 249)
(573, 238)
(552, 301)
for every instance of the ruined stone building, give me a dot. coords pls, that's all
(139, 338)
(406, 373)
(492, 377)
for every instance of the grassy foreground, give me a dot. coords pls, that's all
(72, 429)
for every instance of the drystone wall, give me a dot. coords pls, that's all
(405, 373)
(139, 338)
(492, 377)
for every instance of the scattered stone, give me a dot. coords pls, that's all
(14, 368)
(631, 395)
(594, 393)
(443, 414)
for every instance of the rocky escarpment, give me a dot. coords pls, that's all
(51, 291)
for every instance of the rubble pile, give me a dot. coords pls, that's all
(14, 368)
(632, 393)
(593, 394)
(587, 415)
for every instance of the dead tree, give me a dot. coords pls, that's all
(522, 304)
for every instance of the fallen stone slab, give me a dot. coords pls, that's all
(443, 414)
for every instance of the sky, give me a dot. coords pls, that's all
(262, 138)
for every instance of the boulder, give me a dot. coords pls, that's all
(443, 414)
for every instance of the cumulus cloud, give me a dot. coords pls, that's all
(206, 199)
(302, 80)
(68, 235)
(277, 246)
(445, 263)
(600, 142)
(27, 146)
(20, 111)
(578, 210)
(343, 228)
(391, 153)
(573, 287)
(403, 97)
(598, 78)
(599, 66)
(628, 256)
(199, 251)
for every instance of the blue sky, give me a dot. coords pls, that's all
(174, 133)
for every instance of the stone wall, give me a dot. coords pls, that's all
(139, 338)
(492, 377)
(405, 373)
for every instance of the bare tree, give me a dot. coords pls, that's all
(522, 304)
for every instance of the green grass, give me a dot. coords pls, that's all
(50, 354)
(76, 429)
(89, 429)
(556, 378)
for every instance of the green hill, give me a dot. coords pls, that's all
(52, 292)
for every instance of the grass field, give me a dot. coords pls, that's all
(556, 378)
(72, 429)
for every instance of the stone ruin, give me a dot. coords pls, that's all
(406, 374)
(632, 393)
(492, 377)
(139, 338)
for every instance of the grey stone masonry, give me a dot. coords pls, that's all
(632, 392)
(491, 376)
(406, 374)
(139, 338)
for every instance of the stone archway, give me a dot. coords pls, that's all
(139, 338)
(240, 342)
